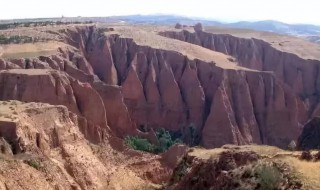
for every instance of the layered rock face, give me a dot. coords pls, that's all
(141, 86)
(166, 89)
(301, 75)
(57, 88)
(73, 86)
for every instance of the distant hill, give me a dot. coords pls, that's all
(165, 19)
(308, 31)
(278, 27)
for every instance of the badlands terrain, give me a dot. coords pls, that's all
(72, 94)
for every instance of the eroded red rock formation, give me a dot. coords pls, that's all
(137, 85)
(300, 74)
(57, 88)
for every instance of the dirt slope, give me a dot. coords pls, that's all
(44, 142)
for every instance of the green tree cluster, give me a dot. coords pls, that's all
(164, 138)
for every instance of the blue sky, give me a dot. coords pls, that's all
(290, 11)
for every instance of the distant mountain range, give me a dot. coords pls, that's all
(308, 31)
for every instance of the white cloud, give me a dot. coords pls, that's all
(291, 11)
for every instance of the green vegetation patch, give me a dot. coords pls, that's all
(138, 143)
(163, 136)
(268, 176)
(15, 39)
(34, 163)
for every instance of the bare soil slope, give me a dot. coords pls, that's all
(43, 148)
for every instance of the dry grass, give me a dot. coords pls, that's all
(308, 171)
(205, 154)
(263, 150)
(30, 50)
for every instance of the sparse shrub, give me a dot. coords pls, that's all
(33, 163)
(163, 136)
(27, 24)
(317, 156)
(3, 39)
(292, 146)
(268, 176)
(165, 140)
(182, 170)
(306, 155)
(247, 171)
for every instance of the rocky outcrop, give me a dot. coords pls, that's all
(54, 143)
(198, 27)
(117, 113)
(57, 88)
(174, 155)
(310, 136)
(92, 109)
(178, 26)
(111, 95)
(45, 142)
(99, 56)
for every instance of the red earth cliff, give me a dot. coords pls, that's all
(142, 86)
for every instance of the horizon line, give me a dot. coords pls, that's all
(223, 21)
